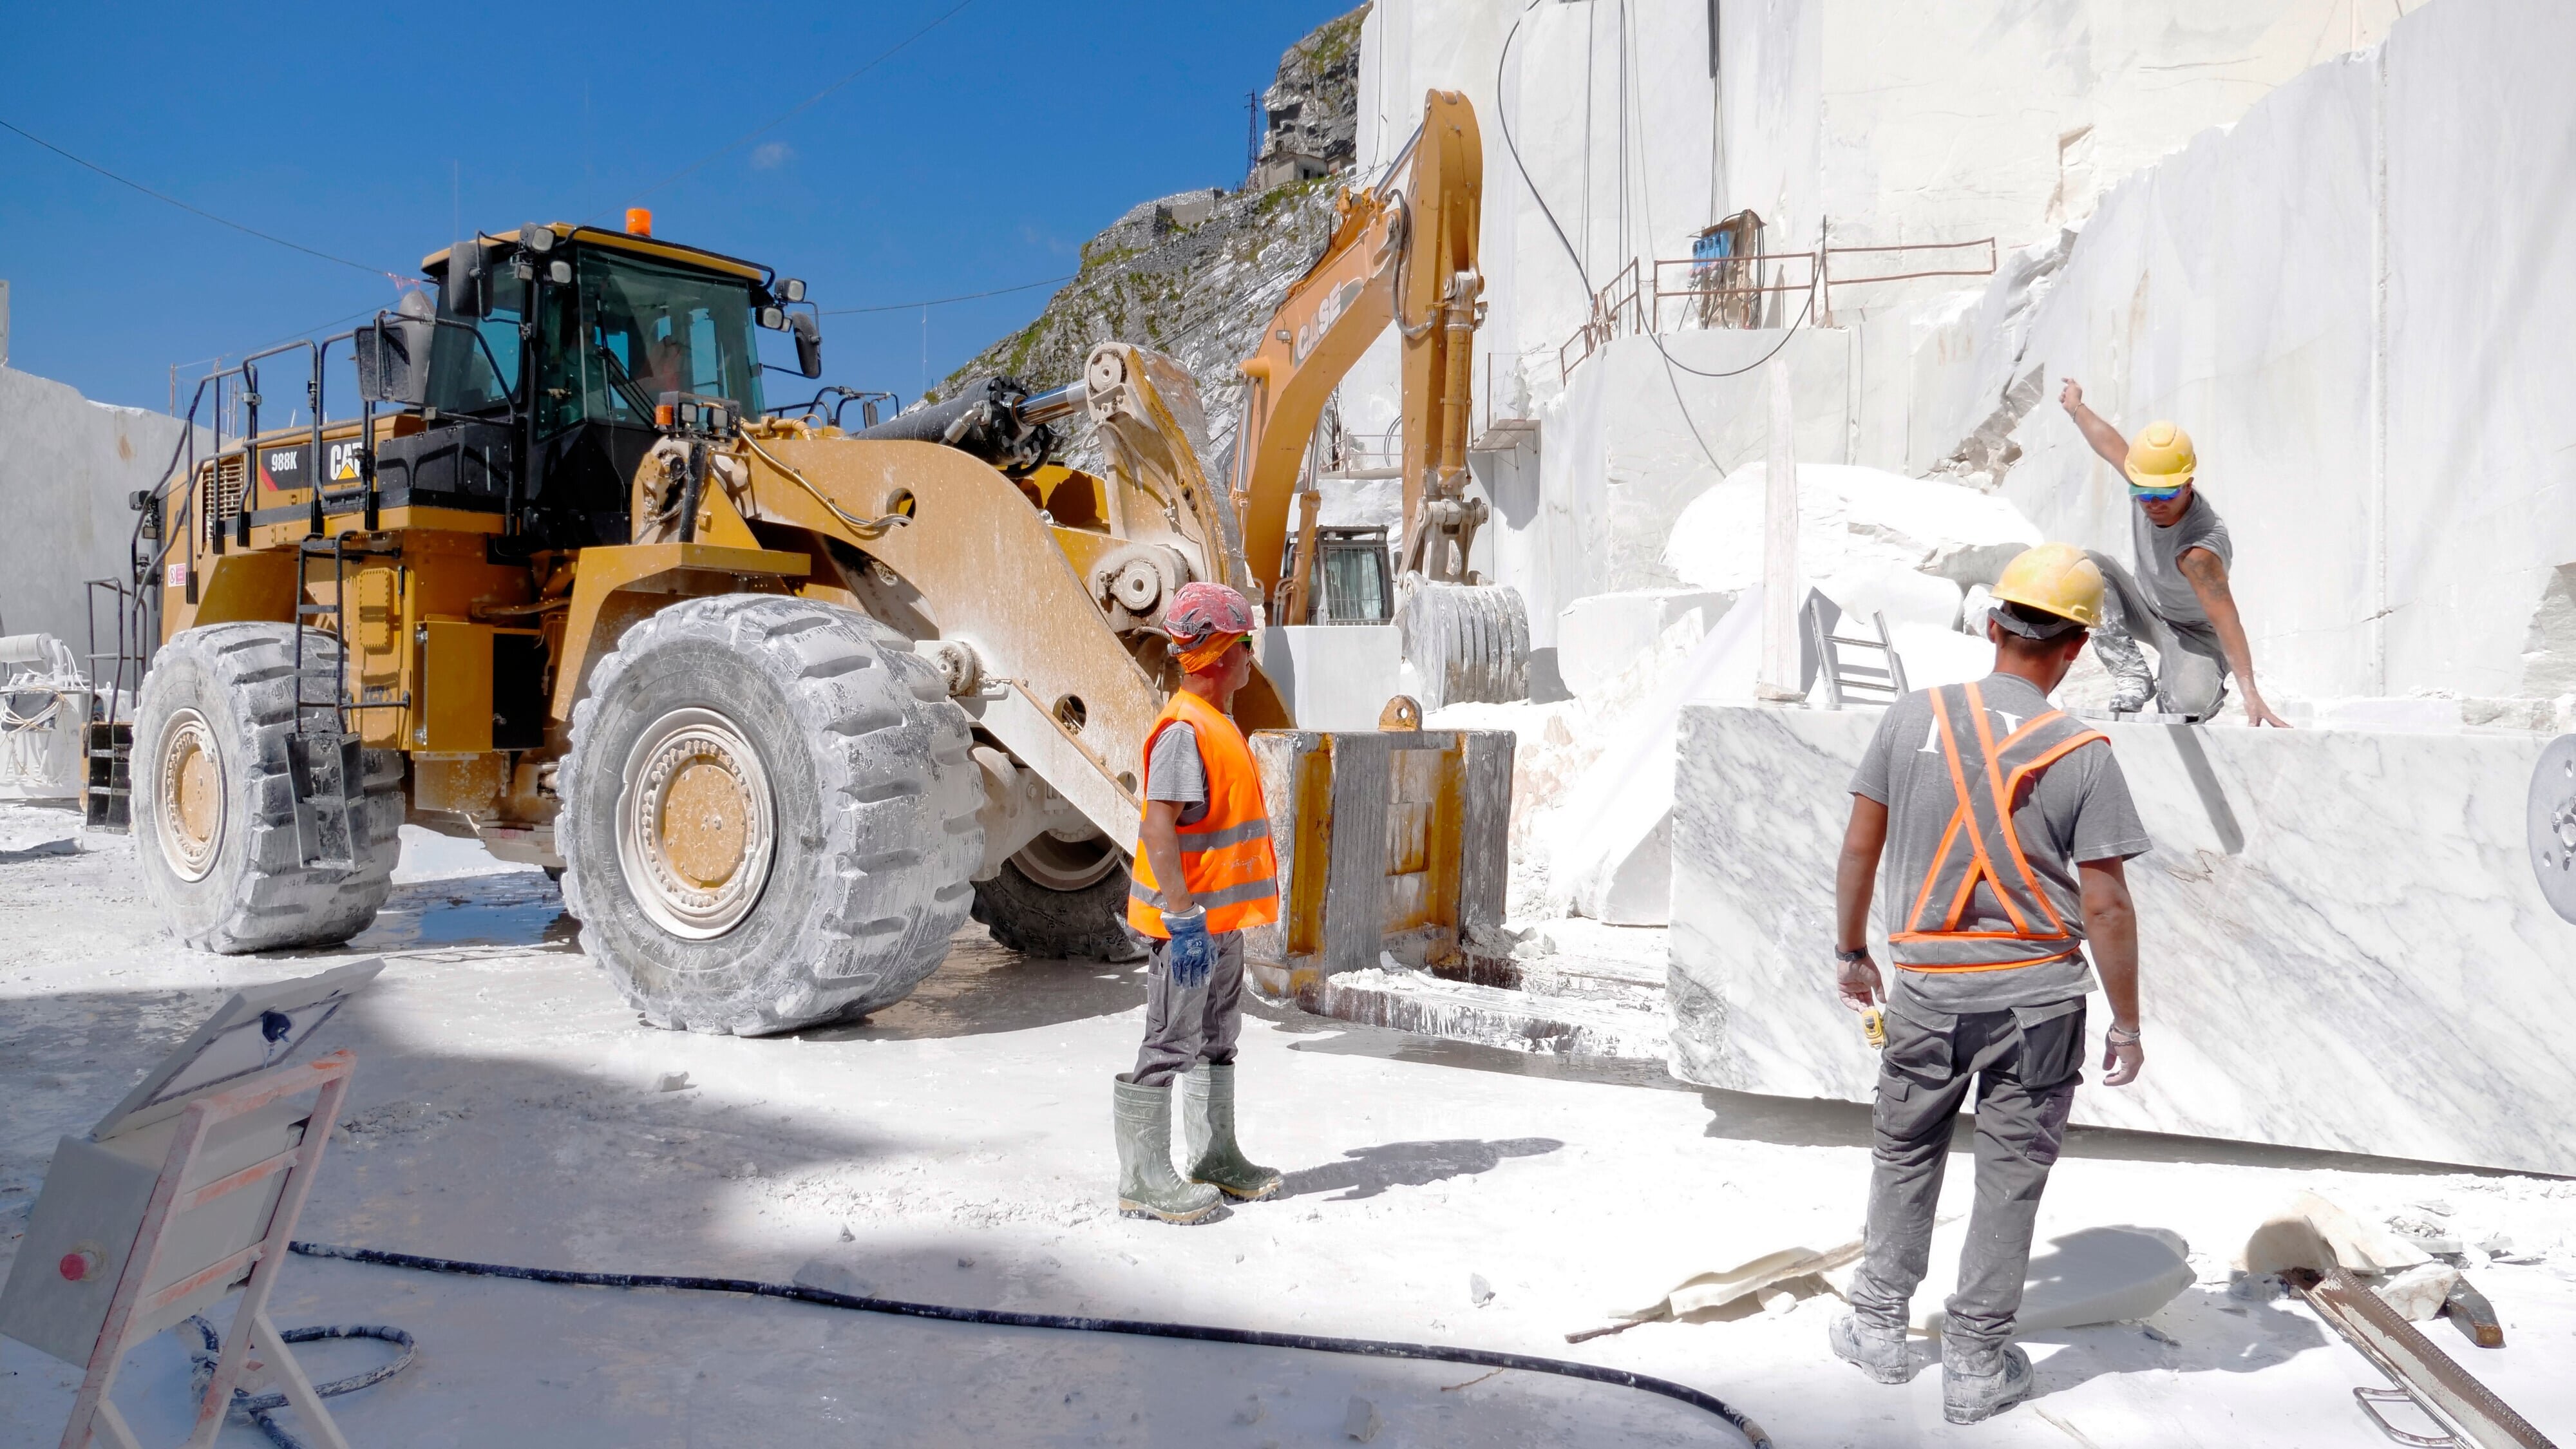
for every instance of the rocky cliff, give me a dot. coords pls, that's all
(1197, 274)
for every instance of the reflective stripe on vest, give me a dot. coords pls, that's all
(1226, 858)
(1980, 848)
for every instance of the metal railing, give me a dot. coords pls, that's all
(1703, 292)
(1618, 303)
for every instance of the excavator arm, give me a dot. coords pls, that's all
(1402, 252)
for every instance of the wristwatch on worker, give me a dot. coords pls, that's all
(1852, 957)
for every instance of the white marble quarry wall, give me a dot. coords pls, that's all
(2342, 944)
(1886, 120)
(1632, 443)
(2349, 299)
(66, 467)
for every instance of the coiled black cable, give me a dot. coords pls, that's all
(1003, 1318)
(262, 1408)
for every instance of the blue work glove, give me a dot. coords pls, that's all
(1192, 953)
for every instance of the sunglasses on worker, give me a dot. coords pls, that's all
(2160, 495)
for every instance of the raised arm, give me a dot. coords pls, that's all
(2209, 580)
(2111, 924)
(2106, 439)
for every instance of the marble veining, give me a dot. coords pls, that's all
(2370, 968)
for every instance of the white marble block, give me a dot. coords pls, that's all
(1333, 676)
(1600, 637)
(2341, 942)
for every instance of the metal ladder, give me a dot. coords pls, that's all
(1848, 681)
(326, 768)
(107, 735)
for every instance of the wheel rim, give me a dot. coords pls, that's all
(192, 796)
(1067, 865)
(696, 827)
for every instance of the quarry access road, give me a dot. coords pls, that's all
(956, 1149)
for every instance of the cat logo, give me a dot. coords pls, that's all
(344, 462)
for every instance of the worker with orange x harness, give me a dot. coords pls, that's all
(2009, 824)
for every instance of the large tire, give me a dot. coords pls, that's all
(214, 810)
(768, 815)
(1049, 910)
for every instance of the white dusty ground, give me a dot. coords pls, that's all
(506, 1111)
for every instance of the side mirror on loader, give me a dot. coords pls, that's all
(809, 343)
(393, 354)
(469, 280)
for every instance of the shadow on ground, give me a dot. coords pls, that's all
(1369, 1171)
(983, 988)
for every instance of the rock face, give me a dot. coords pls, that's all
(1313, 107)
(1196, 274)
(75, 525)
(1199, 290)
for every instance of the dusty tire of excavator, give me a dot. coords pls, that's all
(768, 815)
(1040, 912)
(213, 809)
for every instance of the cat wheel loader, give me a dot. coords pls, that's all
(780, 704)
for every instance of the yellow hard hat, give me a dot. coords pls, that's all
(2056, 578)
(2160, 459)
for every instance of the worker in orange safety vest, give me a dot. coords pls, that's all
(2007, 824)
(1204, 873)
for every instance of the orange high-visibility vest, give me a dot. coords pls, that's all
(1980, 848)
(1226, 858)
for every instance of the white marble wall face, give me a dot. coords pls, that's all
(2251, 285)
(2342, 944)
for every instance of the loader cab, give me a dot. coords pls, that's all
(550, 352)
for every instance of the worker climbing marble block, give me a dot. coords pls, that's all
(2342, 944)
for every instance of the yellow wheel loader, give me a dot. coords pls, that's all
(781, 704)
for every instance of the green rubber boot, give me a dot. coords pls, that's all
(1147, 1186)
(1207, 1125)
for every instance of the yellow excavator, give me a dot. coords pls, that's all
(779, 703)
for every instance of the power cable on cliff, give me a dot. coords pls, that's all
(1512, 145)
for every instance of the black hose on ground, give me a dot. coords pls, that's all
(1002, 1318)
(262, 1408)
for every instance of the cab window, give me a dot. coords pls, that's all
(649, 329)
(465, 378)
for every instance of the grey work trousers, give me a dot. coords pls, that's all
(2026, 1065)
(1185, 1025)
(2190, 676)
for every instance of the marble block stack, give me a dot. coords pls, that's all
(2343, 946)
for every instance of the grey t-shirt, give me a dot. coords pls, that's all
(2157, 549)
(2079, 810)
(1174, 771)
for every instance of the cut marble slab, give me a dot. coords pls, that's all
(2342, 943)
(2317, 1233)
(1703, 1291)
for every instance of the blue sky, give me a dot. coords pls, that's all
(979, 156)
